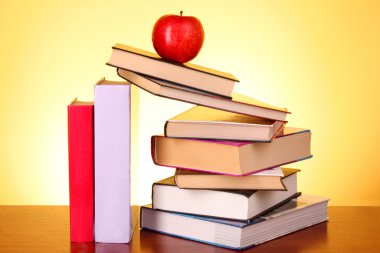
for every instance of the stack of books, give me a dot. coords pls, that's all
(229, 187)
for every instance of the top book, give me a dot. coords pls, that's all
(188, 75)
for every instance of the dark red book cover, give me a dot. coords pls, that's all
(81, 170)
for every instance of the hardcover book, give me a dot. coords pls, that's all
(232, 157)
(112, 162)
(81, 170)
(238, 104)
(230, 204)
(207, 123)
(299, 213)
(265, 180)
(187, 75)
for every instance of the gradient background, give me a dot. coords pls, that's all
(320, 59)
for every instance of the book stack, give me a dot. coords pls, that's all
(229, 188)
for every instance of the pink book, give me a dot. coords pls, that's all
(81, 170)
(112, 162)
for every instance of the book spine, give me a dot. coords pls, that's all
(81, 172)
(112, 164)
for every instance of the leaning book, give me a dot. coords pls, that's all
(299, 213)
(180, 75)
(238, 104)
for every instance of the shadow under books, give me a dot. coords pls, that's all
(147, 241)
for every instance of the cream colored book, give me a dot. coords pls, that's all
(264, 180)
(207, 123)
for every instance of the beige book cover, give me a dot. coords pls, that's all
(188, 75)
(238, 104)
(207, 123)
(187, 179)
(232, 157)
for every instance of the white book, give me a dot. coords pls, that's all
(296, 214)
(112, 162)
(229, 204)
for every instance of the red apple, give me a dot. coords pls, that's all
(178, 38)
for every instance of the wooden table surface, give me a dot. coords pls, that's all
(46, 229)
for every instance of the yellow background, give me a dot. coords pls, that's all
(320, 59)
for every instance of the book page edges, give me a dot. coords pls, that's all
(192, 66)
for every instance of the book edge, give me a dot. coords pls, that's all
(190, 66)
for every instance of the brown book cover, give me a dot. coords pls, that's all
(238, 104)
(232, 157)
(189, 75)
(119, 46)
(207, 123)
(187, 179)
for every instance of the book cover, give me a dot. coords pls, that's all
(207, 123)
(299, 213)
(230, 204)
(238, 158)
(187, 75)
(112, 162)
(265, 180)
(81, 170)
(238, 104)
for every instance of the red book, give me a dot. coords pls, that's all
(81, 170)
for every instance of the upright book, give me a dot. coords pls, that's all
(299, 213)
(81, 170)
(187, 75)
(112, 162)
(229, 204)
(232, 157)
(238, 104)
(206, 123)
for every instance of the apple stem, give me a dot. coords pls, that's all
(181, 12)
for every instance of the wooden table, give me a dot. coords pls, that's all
(46, 229)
